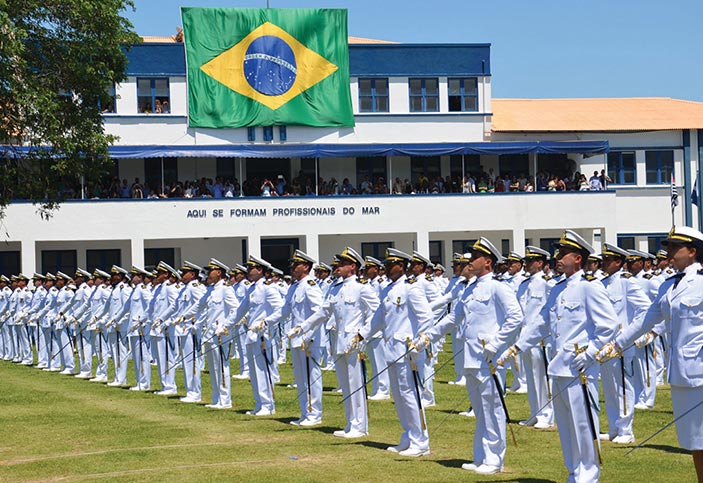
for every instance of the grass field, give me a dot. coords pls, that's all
(58, 428)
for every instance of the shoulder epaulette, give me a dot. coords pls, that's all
(429, 277)
(362, 280)
(268, 282)
(498, 277)
(196, 284)
(121, 285)
(247, 282)
(227, 284)
(590, 278)
(327, 280)
(547, 277)
(626, 275)
(311, 283)
(647, 276)
(410, 280)
(700, 272)
(69, 289)
(527, 279)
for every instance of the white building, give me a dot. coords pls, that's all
(420, 110)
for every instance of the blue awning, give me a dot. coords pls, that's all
(354, 150)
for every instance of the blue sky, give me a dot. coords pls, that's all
(540, 48)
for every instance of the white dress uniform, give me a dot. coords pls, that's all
(403, 314)
(63, 329)
(302, 300)
(380, 384)
(261, 300)
(680, 303)
(630, 303)
(162, 306)
(532, 295)
(5, 339)
(80, 308)
(645, 394)
(116, 328)
(46, 317)
(134, 319)
(189, 334)
(428, 358)
(488, 311)
(578, 312)
(38, 299)
(220, 305)
(352, 302)
(13, 303)
(240, 290)
(98, 303)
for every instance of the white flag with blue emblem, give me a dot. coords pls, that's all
(674, 193)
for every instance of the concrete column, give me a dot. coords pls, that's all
(423, 243)
(137, 249)
(254, 244)
(312, 245)
(28, 257)
(448, 254)
(518, 241)
(687, 179)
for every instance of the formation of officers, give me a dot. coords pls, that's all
(634, 313)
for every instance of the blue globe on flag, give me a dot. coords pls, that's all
(269, 66)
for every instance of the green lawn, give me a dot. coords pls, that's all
(58, 428)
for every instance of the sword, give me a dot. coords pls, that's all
(546, 366)
(362, 364)
(119, 352)
(80, 339)
(268, 368)
(307, 366)
(195, 348)
(416, 385)
(624, 390)
(51, 345)
(374, 377)
(646, 362)
(222, 361)
(141, 350)
(59, 351)
(587, 402)
(499, 388)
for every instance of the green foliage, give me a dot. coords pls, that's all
(57, 428)
(58, 58)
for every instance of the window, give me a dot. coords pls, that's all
(251, 134)
(621, 167)
(226, 168)
(626, 242)
(153, 96)
(424, 167)
(103, 259)
(436, 252)
(373, 95)
(654, 243)
(268, 133)
(152, 257)
(659, 166)
(463, 94)
(59, 260)
(282, 133)
(374, 167)
(10, 263)
(514, 165)
(462, 246)
(548, 244)
(504, 246)
(277, 251)
(152, 173)
(110, 106)
(424, 95)
(471, 165)
(376, 249)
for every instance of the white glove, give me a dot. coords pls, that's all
(220, 330)
(511, 352)
(609, 351)
(355, 344)
(259, 328)
(646, 339)
(192, 329)
(489, 351)
(420, 342)
(580, 361)
(294, 332)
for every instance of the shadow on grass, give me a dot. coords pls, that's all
(518, 480)
(374, 444)
(663, 447)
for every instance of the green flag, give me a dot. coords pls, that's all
(265, 67)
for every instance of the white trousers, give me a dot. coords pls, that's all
(191, 365)
(261, 375)
(7, 350)
(85, 352)
(577, 442)
(66, 347)
(166, 362)
(51, 342)
(349, 375)
(218, 362)
(379, 384)
(406, 388)
(458, 354)
(42, 348)
(644, 379)
(25, 349)
(307, 372)
(620, 413)
(119, 348)
(140, 356)
(101, 349)
(537, 386)
(489, 435)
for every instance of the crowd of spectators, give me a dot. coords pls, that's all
(302, 185)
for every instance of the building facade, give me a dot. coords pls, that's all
(422, 112)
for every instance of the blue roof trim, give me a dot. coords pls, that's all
(163, 59)
(344, 150)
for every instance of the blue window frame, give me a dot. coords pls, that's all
(251, 134)
(424, 95)
(462, 246)
(626, 242)
(102, 259)
(463, 94)
(268, 133)
(375, 249)
(373, 95)
(153, 95)
(58, 260)
(660, 164)
(622, 167)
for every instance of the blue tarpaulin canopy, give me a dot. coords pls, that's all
(352, 150)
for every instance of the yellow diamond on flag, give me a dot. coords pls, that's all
(270, 66)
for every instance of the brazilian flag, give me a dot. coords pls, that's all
(265, 67)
